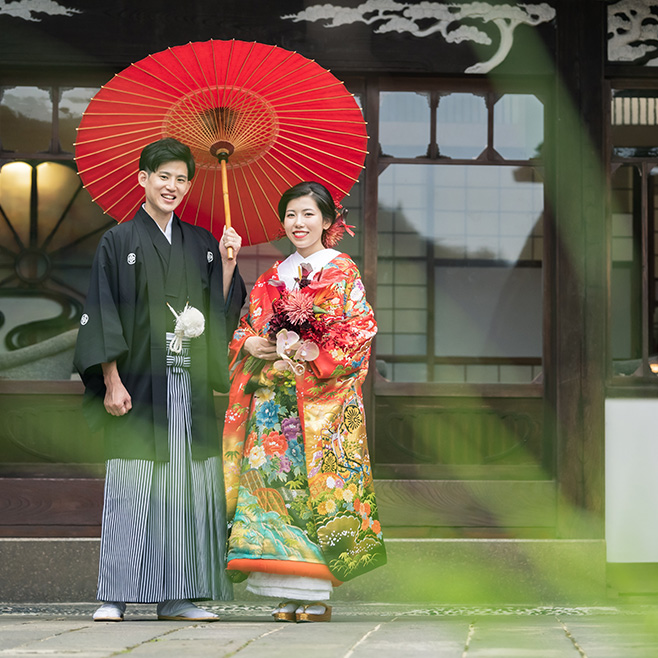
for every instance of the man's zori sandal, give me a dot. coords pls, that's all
(183, 610)
(110, 611)
(313, 612)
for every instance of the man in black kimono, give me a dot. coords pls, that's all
(151, 387)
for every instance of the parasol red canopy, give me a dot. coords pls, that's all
(277, 117)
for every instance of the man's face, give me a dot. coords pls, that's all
(165, 189)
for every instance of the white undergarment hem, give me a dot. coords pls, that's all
(297, 588)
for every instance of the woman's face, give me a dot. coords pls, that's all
(304, 224)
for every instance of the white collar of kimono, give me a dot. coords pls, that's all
(289, 269)
(167, 229)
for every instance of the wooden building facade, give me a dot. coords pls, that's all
(506, 232)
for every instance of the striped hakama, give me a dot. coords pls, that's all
(164, 523)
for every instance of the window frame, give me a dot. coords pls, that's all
(644, 385)
(55, 83)
(375, 162)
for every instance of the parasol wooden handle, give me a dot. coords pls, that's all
(222, 150)
(227, 204)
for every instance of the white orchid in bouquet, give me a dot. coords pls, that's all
(294, 352)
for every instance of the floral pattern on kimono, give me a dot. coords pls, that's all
(297, 471)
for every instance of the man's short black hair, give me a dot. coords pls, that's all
(164, 150)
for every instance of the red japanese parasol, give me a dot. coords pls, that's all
(258, 119)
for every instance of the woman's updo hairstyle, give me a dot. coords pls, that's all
(318, 192)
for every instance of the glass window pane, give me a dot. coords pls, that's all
(516, 374)
(450, 374)
(20, 310)
(404, 123)
(482, 228)
(385, 296)
(518, 126)
(409, 296)
(408, 372)
(625, 344)
(384, 342)
(73, 243)
(386, 245)
(385, 320)
(410, 272)
(461, 126)
(634, 118)
(56, 185)
(15, 195)
(72, 104)
(622, 249)
(49, 231)
(25, 119)
(485, 311)
(625, 282)
(482, 374)
(409, 321)
(492, 213)
(410, 344)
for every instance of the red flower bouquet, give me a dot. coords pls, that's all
(298, 324)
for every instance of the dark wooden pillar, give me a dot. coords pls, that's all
(369, 273)
(576, 385)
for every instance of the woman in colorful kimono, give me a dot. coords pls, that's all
(298, 479)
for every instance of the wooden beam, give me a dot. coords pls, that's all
(484, 504)
(51, 502)
(577, 194)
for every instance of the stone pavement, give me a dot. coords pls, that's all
(358, 630)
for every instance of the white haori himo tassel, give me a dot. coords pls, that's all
(190, 323)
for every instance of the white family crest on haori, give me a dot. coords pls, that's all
(190, 323)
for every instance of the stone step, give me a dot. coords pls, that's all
(449, 571)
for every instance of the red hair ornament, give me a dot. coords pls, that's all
(334, 234)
